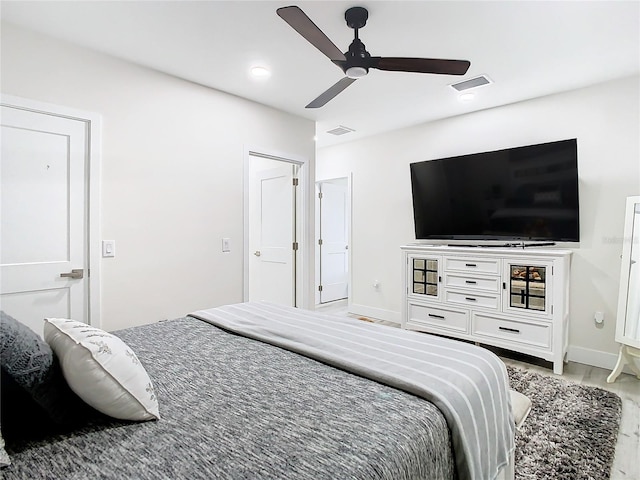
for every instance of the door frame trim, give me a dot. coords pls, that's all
(93, 124)
(303, 228)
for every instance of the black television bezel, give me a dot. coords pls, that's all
(497, 237)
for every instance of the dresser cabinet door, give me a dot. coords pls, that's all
(527, 288)
(424, 277)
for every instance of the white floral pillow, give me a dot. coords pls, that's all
(102, 370)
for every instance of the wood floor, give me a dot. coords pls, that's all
(626, 465)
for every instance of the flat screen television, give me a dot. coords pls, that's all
(522, 193)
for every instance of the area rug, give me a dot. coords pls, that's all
(571, 431)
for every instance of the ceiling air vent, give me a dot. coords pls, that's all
(471, 83)
(340, 130)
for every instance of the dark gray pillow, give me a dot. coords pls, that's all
(23, 354)
(30, 363)
(5, 461)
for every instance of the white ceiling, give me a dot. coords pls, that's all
(528, 49)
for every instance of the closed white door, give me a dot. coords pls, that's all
(43, 228)
(334, 244)
(272, 232)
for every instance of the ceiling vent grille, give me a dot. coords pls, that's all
(471, 83)
(340, 130)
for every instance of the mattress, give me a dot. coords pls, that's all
(236, 408)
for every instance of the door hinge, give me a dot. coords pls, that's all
(295, 246)
(319, 241)
(295, 182)
(319, 288)
(320, 195)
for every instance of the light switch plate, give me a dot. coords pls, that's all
(108, 248)
(225, 245)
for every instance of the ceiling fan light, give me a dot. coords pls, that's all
(356, 72)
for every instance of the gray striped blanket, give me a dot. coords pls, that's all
(467, 383)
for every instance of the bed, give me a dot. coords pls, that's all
(262, 391)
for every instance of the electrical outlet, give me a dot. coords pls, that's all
(599, 318)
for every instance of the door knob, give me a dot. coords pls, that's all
(257, 253)
(76, 274)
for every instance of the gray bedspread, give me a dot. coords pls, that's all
(467, 383)
(235, 408)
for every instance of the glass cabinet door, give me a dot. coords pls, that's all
(424, 276)
(528, 287)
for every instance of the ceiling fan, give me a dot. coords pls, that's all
(356, 62)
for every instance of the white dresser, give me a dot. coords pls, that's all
(514, 298)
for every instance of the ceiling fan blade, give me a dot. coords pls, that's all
(331, 92)
(421, 65)
(302, 24)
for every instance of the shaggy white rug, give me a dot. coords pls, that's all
(571, 430)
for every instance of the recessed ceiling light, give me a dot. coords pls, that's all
(260, 72)
(466, 97)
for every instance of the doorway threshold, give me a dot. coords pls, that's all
(336, 305)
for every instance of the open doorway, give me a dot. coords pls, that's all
(333, 227)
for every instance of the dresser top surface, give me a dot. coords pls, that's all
(490, 250)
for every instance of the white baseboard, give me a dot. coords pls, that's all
(594, 358)
(377, 313)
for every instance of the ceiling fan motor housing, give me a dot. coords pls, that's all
(357, 63)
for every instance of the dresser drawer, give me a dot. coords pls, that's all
(439, 318)
(469, 282)
(473, 300)
(470, 264)
(525, 333)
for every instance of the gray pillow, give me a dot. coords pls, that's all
(30, 363)
(23, 354)
(5, 461)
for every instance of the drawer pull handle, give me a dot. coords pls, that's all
(433, 315)
(471, 265)
(470, 282)
(471, 299)
(511, 330)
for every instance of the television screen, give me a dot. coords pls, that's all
(522, 193)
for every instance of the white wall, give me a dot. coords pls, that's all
(604, 119)
(172, 172)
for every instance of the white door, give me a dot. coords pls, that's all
(334, 240)
(272, 232)
(43, 232)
